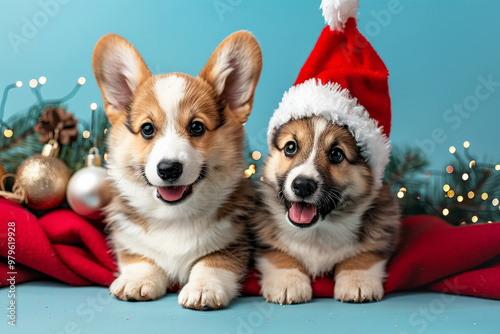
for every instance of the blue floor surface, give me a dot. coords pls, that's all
(49, 307)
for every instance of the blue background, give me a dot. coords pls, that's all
(435, 52)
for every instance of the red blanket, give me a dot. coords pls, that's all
(433, 255)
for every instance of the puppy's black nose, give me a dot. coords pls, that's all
(169, 170)
(303, 187)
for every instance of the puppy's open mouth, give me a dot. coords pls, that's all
(303, 214)
(174, 194)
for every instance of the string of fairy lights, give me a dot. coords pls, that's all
(451, 193)
(7, 132)
(35, 85)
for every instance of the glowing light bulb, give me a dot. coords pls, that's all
(450, 193)
(19, 84)
(449, 169)
(465, 176)
(497, 167)
(495, 201)
(446, 212)
(8, 133)
(82, 81)
(484, 196)
(42, 80)
(86, 134)
(460, 199)
(446, 187)
(33, 83)
(247, 173)
(452, 149)
(470, 194)
(93, 106)
(474, 219)
(466, 144)
(401, 194)
(256, 155)
(252, 168)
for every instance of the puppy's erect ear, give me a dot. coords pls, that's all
(233, 70)
(119, 71)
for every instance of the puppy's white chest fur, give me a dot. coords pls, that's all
(320, 248)
(174, 247)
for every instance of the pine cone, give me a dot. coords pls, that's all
(56, 118)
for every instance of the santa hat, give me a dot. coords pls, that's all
(345, 81)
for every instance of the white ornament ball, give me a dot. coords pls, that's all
(89, 191)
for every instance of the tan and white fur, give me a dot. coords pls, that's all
(180, 203)
(343, 225)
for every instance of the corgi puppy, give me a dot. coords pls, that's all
(323, 215)
(176, 160)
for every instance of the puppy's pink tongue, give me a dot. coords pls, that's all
(302, 213)
(172, 193)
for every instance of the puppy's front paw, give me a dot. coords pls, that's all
(358, 286)
(292, 287)
(141, 289)
(200, 295)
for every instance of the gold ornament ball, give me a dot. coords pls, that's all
(44, 180)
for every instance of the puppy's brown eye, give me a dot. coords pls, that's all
(336, 155)
(147, 130)
(197, 128)
(290, 149)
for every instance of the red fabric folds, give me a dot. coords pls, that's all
(60, 244)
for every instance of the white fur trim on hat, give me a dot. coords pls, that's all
(337, 12)
(312, 98)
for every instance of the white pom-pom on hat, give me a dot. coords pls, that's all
(337, 12)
